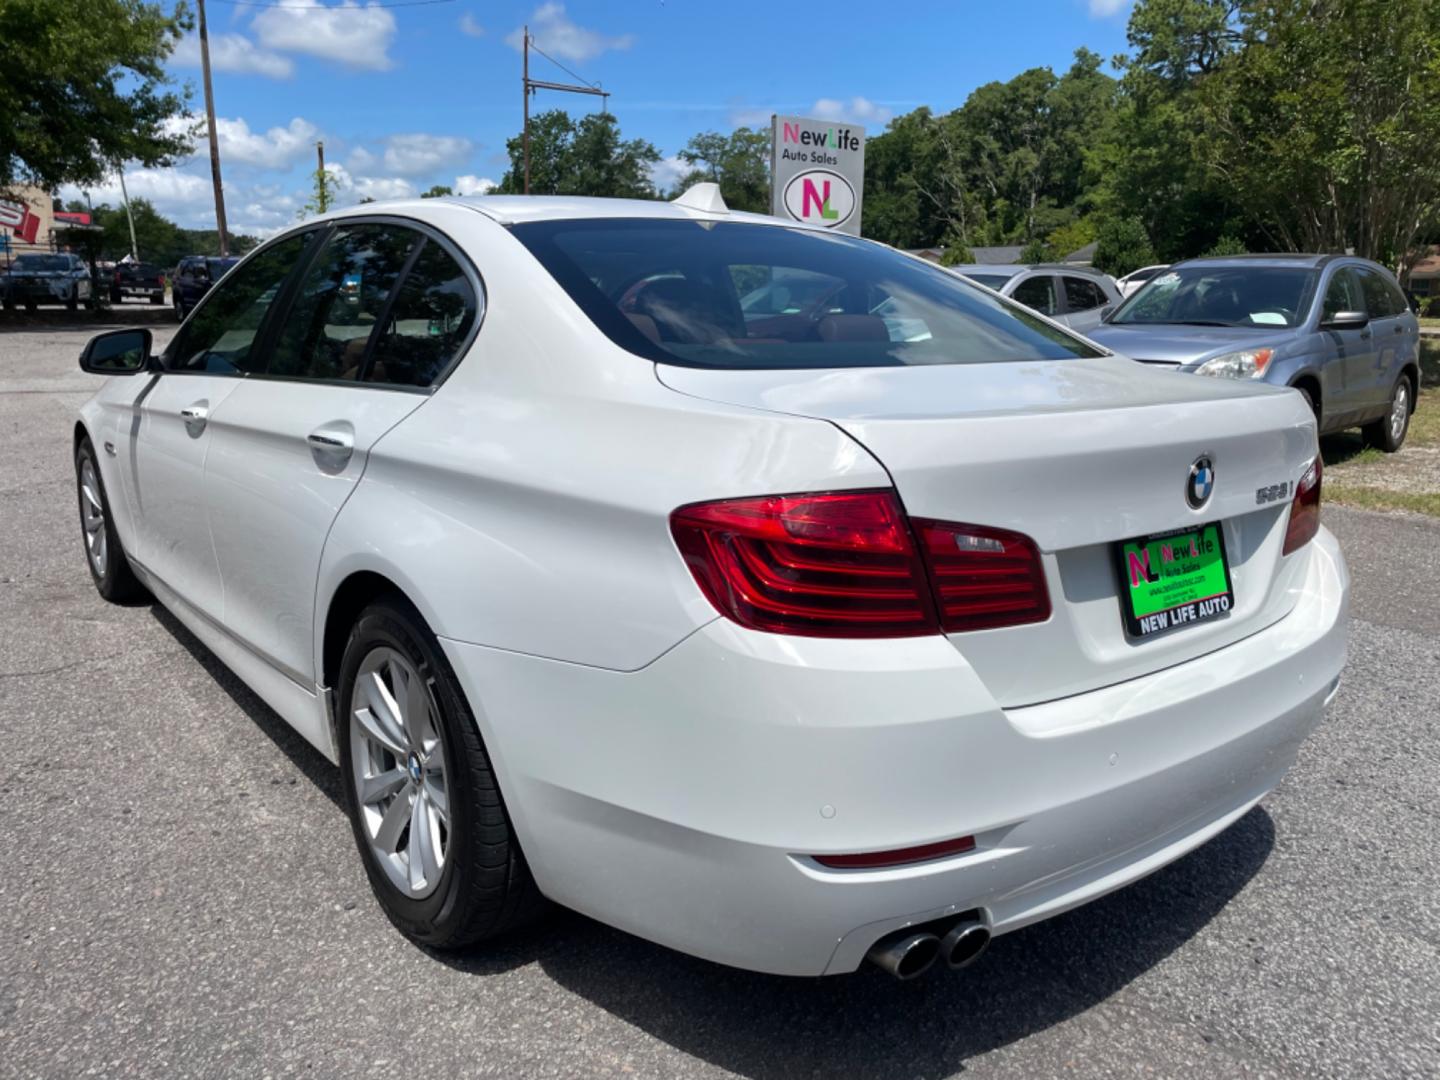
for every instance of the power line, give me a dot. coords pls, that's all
(562, 67)
(322, 7)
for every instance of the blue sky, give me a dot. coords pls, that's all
(409, 96)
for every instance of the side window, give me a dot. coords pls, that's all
(429, 321)
(1378, 299)
(340, 302)
(1083, 295)
(1037, 293)
(1343, 293)
(219, 336)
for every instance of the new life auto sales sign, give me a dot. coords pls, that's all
(817, 172)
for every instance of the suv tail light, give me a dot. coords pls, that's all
(1305, 508)
(845, 564)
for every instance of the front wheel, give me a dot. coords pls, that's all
(425, 808)
(1388, 433)
(72, 302)
(109, 568)
(179, 310)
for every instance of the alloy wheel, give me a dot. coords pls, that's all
(398, 761)
(92, 516)
(1399, 411)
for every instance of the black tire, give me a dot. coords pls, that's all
(1311, 402)
(179, 310)
(116, 296)
(72, 302)
(485, 887)
(117, 581)
(31, 305)
(157, 298)
(1386, 433)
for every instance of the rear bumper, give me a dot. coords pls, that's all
(681, 802)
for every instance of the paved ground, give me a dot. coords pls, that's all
(181, 897)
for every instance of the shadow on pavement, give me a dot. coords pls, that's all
(107, 318)
(866, 1024)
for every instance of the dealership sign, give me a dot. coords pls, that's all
(817, 172)
(17, 216)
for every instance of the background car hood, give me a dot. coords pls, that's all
(1171, 343)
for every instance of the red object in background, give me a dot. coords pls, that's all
(17, 216)
(75, 217)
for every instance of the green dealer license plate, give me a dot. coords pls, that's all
(1174, 579)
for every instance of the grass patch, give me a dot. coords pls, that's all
(1374, 498)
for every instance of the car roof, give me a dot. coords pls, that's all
(518, 209)
(984, 268)
(1012, 269)
(1301, 259)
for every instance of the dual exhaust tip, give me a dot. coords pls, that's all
(909, 953)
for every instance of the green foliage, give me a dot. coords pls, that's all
(1071, 237)
(159, 239)
(587, 157)
(84, 85)
(436, 190)
(738, 162)
(1037, 251)
(325, 186)
(1227, 245)
(1122, 245)
(956, 255)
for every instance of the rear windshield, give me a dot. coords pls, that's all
(41, 262)
(1207, 295)
(749, 296)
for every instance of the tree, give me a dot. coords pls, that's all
(436, 191)
(587, 157)
(327, 186)
(83, 86)
(1121, 245)
(738, 162)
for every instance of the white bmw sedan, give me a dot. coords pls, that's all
(783, 638)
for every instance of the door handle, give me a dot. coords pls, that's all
(326, 440)
(332, 445)
(195, 414)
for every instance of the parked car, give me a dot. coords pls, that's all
(1071, 295)
(784, 649)
(194, 275)
(1335, 327)
(1132, 281)
(137, 279)
(37, 278)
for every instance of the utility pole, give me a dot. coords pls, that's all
(320, 200)
(129, 217)
(531, 85)
(214, 140)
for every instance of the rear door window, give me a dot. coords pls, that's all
(1082, 294)
(1038, 294)
(429, 322)
(340, 302)
(1382, 299)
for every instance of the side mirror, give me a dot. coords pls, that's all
(117, 352)
(1346, 320)
(1106, 312)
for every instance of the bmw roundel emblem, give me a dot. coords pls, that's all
(1200, 483)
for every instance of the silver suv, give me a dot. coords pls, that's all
(1071, 295)
(1335, 327)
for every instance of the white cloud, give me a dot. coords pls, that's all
(349, 33)
(361, 160)
(234, 52)
(171, 191)
(473, 185)
(667, 172)
(757, 117)
(555, 33)
(277, 148)
(1104, 9)
(857, 110)
(355, 188)
(413, 155)
(470, 27)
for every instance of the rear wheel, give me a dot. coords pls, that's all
(425, 808)
(73, 300)
(109, 568)
(179, 310)
(1388, 433)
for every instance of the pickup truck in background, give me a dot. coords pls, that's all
(138, 279)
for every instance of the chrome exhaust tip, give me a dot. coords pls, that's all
(905, 954)
(964, 943)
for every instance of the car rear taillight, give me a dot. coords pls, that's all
(1305, 508)
(846, 564)
(870, 860)
(984, 578)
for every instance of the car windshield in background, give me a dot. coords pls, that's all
(217, 267)
(1205, 295)
(749, 296)
(32, 263)
(990, 281)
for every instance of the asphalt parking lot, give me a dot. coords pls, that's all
(181, 896)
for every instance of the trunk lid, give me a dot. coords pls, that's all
(1078, 455)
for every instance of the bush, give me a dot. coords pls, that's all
(1228, 245)
(1036, 251)
(1122, 245)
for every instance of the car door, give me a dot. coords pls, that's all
(376, 317)
(1084, 300)
(1349, 355)
(1038, 293)
(1395, 335)
(167, 439)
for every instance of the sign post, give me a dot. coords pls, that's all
(817, 172)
